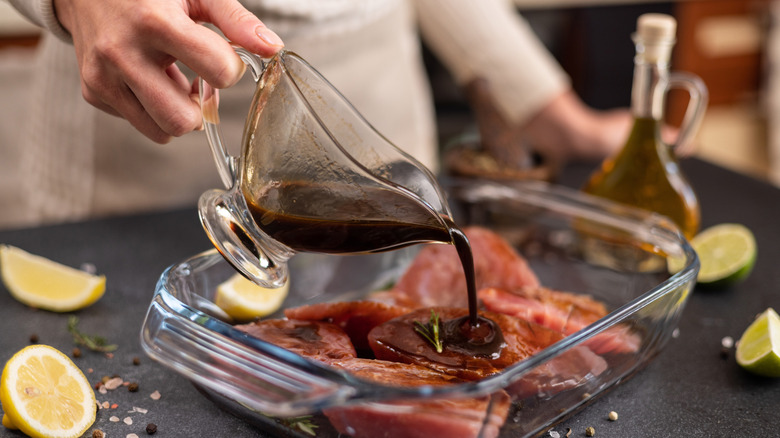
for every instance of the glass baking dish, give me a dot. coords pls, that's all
(573, 242)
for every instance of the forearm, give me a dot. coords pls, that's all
(489, 39)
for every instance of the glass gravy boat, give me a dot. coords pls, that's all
(313, 176)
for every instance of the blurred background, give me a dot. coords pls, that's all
(729, 43)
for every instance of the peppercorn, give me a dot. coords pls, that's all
(76, 352)
(590, 431)
(97, 433)
(33, 338)
(136, 361)
(132, 387)
(151, 428)
(613, 416)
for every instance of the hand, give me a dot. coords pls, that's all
(126, 51)
(567, 129)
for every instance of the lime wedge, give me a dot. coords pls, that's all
(758, 351)
(727, 253)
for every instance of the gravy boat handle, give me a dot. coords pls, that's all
(227, 165)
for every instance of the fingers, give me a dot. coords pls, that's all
(177, 76)
(158, 103)
(244, 28)
(208, 54)
(123, 103)
(164, 98)
(127, 67)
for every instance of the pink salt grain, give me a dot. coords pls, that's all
(114, 383)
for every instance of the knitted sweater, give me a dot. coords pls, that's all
(78, 162)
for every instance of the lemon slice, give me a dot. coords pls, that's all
(244, 300)
(45, 284)
(727, 253)
(758, 350)
(44, 394)
(7, 423)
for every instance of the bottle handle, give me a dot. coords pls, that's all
(227, 165)
(694, 113)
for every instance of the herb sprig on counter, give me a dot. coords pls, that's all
(303, 423)
(94, 343)
(430, 331)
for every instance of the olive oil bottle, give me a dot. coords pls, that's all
(646, 173)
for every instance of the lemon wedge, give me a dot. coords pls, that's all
(44, 394)
(7, 423)
(45, 284)
(244, 300)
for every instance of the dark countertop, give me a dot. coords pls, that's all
(689, 389)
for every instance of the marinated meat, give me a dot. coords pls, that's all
(521, 319)
(452, 418)
(356, 318)
(560, 311)
(395, 373)
(555, 310)
(436, 278)
(569, 369)
(397, 340)
(317, 340)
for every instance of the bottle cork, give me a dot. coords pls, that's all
(656, 32)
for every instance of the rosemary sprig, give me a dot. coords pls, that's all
(303, 423)
(430, 331)
(94, 343)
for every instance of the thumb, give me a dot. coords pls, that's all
(242, 27)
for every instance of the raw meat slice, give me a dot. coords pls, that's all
(561, 311)
(317, 340)
(436, 278)
(356, 318)
(450, 417)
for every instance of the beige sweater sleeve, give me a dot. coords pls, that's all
(41, 12)
(489, 39)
